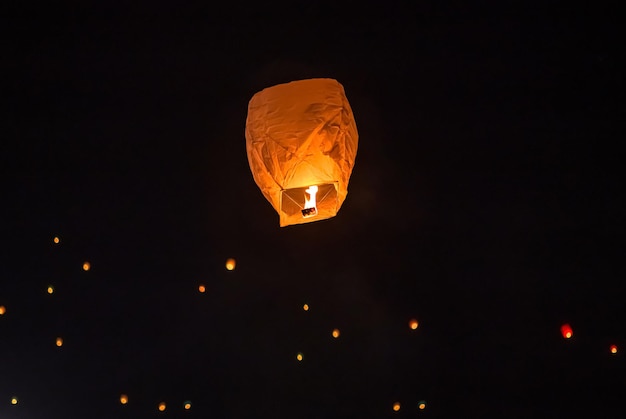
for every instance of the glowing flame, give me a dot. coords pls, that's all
(310, 204)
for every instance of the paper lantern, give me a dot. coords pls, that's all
(566, 331)
(301, 141)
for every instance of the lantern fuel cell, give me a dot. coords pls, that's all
(301, 142)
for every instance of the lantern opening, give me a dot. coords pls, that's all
(313, 203)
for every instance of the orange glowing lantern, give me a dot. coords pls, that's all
(3, 310)
(566, 331)
(59, 342)
(201, 288)
(396, 406)
(301, 141)
(56, 240)
(230, 264)
(162, 406)
(336, 333)
(187, 405)
(613, 349)
(299, 357)
(421, 405)
(413, 324)
(14, 400)
(86, 266)
(305, 307)
(50, 289)
(123, 399)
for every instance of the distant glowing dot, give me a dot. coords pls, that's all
(187, 405)
(59, 342)
(396, 406)
(413, 324)
(123, 399)
(14, 400)
(230, 264)
(50, 289)
(566, 331)
(305, 307)
(202, 288)
(3, 310)
(162, 406)
(336, 333)
(56, 240)
(613, 349)
(86, 266)
(299, 357)
(422, 405)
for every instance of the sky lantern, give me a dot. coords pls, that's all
(201, 288)
(123, 399)
(56, 240)
(162, 406)
(187, 405)
(421, 405)
(396, 406)
(3, 310)
(86, 266)
(301, 141)
(59, 342)
(613, 349)
(413, 323)
(299, 356)
(305, 307)
(50, 289)
(14, 400)
(566, 331)
(230, 264)
(336, 333)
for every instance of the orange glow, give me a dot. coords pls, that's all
(201, 288)
(311, 202)
(59, 342)
(86, 266)
(50, 289)
(299, 357)
(422, 405)
(566, 331)
(396, 406)
(123, 399)
(230, 264)
(336, 333)
(13, 400)
(3, 310)
(413, 324)
(187, 405)
(613, 349)
(56, 240)
(162, 406)
(305, 307)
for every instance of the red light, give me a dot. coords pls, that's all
(566, 331)
(613, 349)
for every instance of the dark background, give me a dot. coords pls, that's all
(486, 201)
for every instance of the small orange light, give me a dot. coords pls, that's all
(162, 406)
(299, 357)
(422, 405)
(305, 307)
(86, 266)
(566, 331)
(14, 400)
(187, 405)
(56, 240)
(3, 310)
(59, 342)
(50, 289)
(336, 333)
(613, 349)
(413, 324)
(396, 406)
(201, 288)
(123, 399)
(230, 264)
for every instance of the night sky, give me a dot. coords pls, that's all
(487, 202)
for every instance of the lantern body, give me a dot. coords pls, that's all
(300, 135)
